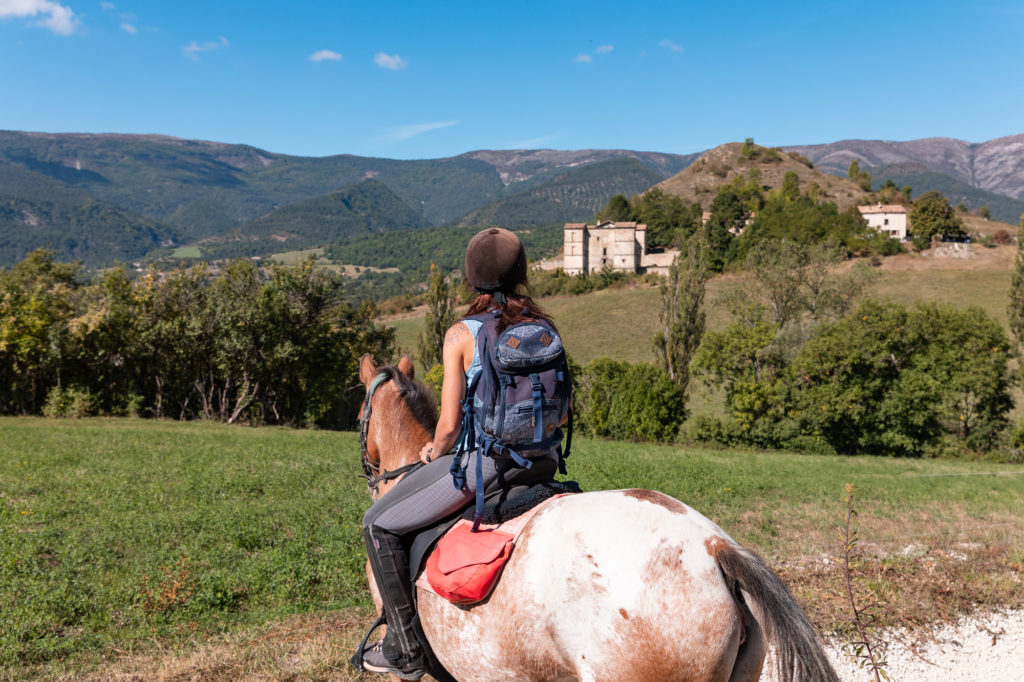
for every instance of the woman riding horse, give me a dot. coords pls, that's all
(496, 269)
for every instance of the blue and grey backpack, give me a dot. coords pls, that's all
(516, 403)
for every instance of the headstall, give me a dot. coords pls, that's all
(371, 469)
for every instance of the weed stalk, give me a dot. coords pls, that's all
(868, 653)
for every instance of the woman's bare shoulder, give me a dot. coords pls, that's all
(457, 334)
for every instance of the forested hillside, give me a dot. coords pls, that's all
(366, 207)
(573, 196)
(37, 211)
(413, 252)
(158, 175)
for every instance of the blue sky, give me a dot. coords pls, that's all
(425, 80)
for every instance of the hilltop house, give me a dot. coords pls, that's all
(619, 246)
(888, 218)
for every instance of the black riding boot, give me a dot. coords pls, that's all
(402, 653)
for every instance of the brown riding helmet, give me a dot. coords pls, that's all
(495, 261)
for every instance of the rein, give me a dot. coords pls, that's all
(371, 469)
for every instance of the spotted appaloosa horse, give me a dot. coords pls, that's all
(611, 585)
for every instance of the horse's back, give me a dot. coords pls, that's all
(604, 585)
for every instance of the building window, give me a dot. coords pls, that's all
(886, 222)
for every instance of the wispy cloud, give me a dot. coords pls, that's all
(193, 49)
(129, 22)
(52, 16)
(670, 45)
(389, 61)
(405, 132)
(588, 59)
(325, 56)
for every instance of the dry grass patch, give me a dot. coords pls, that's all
(302, 647)
(922, 567)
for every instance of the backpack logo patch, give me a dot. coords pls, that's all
(546, 340)
(514, 342)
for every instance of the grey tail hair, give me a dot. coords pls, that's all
(799, 656)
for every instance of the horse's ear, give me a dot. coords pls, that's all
(367, 370)
(406, 367)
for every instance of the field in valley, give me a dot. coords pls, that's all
(136, 549)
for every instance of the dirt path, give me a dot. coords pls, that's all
(987, 647)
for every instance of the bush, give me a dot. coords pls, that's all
(712, 430)
(628, 402)
(70, 402)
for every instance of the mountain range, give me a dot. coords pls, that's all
(101, 198)
(996, 166)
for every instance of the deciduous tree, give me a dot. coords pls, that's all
(681, 315)
(932, 216)
(439, 317)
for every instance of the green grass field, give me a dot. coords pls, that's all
(128, 538)
(186, 252)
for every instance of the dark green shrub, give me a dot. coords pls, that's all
(628, 402)
(709, 429)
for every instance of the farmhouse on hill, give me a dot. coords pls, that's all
(888, 218)
(618, 246)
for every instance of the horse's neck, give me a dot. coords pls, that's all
(406, 438)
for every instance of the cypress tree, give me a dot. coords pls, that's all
(1016, 308)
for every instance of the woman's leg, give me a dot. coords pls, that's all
(421, 498)
(418, 500)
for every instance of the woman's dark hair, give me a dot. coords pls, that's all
(518, 307)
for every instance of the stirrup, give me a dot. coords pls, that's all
(357, 659)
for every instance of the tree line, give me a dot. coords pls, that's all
(239, 343)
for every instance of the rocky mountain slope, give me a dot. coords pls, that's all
(996, 166)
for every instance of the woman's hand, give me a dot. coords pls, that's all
(427, 452)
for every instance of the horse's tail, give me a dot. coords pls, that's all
(798, 655)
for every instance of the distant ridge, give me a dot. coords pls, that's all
(107, 197)
(157, 175)
(920, 179)
(575, 195)
(996, 166)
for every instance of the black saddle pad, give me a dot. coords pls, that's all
(502, 502)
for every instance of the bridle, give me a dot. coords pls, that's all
(371, 469)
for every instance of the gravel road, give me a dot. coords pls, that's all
(987, 647)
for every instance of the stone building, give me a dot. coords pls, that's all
(888, 218)
(590, 248)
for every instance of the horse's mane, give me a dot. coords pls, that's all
(417, 397)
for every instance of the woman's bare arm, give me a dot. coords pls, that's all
(457, 354)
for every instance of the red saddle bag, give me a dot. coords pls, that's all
(464, 567)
